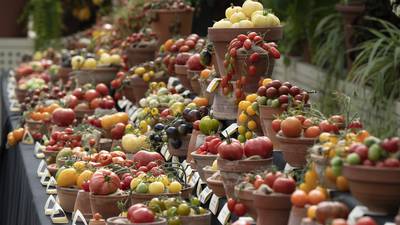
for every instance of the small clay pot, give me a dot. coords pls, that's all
(181, 74)
(142, 198)
(224, 107)
(50, 156)
(194, 143)
(272, 209)
(187, 192)
(267, 115)
(232, 170)
(222, 37)
(295, 150)
(128, 92)
(67, 197)
(215, 184)
(20, 94)
(34, 126)
(52, 168)
(95, 76)
(124, 221)
(106, 205)
(63, 74)
(246, 197)
(194, 76)
(202, 161)
(376, 188)
(80, 114)
(208, 172)
(140, 55)
(81, 204)
(296, 215)
(166, 20)
(204, 219)
(181, 151)
(138, 88)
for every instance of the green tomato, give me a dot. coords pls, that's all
(337, 170)
(336, 161)
(183, 209)
(202, 211)
(142, 188)
(195, 201)
(174, 221)
(262, 100)
(353, 159)
(374, 152)
(172, 211)
(254, 105)
(269, 102)
(275, 103)
(369, 141)
(170, 202)
(156, 205)
(241, 138)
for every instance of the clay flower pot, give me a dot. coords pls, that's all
(105, 144)
(295, 150)
(272, 209)
(95, 76)
(63, 73)
(224, 107)
(296, 215)
(170, 22)
(194, 143)
(80, 114)
(267, 115)
(186, 192)
(194, 77)
(34, 126)
(246, 197)
(181, 151)
(208, 172)
(222, 37)
(215, 184)
(201, 162)
(124, 221)
(181, 74)
(106, 205)
(376, 188)
(232, 170)
(67, 197)
(128, 92)
(204, 219)
(52, 168)
(20, 94)
(137, 87)
(81, 204)
(50, 156)
(140, 54)
(141, 198)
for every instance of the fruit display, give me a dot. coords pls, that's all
(248, 120)
(250, 15)
(91, 61)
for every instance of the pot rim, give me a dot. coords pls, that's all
(194, 154)
(191, 9)
(282, 138)
(159, 220)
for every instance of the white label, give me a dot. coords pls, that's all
(51, 186)
(122, 103)
(230, 130)
(200, 140)
(214, 204)
(213, 85)
(184, 164)
(58, 219)
(288, 168)
(205, 195)
(45, 139)
(188, 171)
(41, 168)
(38, 151)
(132, 110)
(78, 217)
(195, 178)
(224, 215)
(128, 107)
(176, 160)
(356, 213)
(44, 180)
(48, 207)
(167, 156)
(199, 188)
(163, 150)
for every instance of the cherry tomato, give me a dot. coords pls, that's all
(231, 204)
(240, 209)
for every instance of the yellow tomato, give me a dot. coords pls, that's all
(107, 122)
(79, 166)
(156, 187)
(342, 184)
(67, 178)
(266, 81)
(305, 187)
(324, 137)
(329, 174)
(175, 187)
(243, 105)
(140, 70)
(122, 117)
(311, 177)
(243, 118)
(134, 182)
(83, 177)
(242, 130)
(252, 125)
(250, 111)
(165, 180)
(311, 211)
(249, 135)
(251, 97)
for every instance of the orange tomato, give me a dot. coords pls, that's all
(329, 174)
(18, 134)
(312, 132)
(168, 44)
(324, 191)
(46, 116)
(291, 127)
(362, 135)
(305, 187)
(36, 116)
(50, 109)
(342, 184)
(10, 139)
(205, 73)
(107, 122)
(311, 211)
(299, 198)
(316, 196)
(311, 178)
(121, 117)
(199, 101)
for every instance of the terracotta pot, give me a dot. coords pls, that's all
(171, 22)
(137, 88)
(181, 151)
(267, 115)
(215, 184)
(67, 197)
(224, 107)
(20, 94)
(124, 221)
(208, 172)
(246, 197)
(222, 37)
(296, 215)
(187, 192)
(106, 205)
(193, 77)
(376, 188)
(95, 76)
(196, 220)
(264, 68)
(50, 156)
(181, 74)
(232, 170)
(63, 74)
(321, 163)
(80, 114)
(128, 92)
(201, 162)
(272, 209)
(194, 143)
(81, 204)
(295, 150)
(141, 198)
(105, 144)
(140, 54)
(34, 126)
(52, 168)
(203, 86)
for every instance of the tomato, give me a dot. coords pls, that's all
(91, 94)
(312, 132)
(193, 62)
(118, 160)
(104, 182)
(252, 70)
(339, 221)
(326, 126)
(77, 92)
(254, 57)
(139, 213)
(239, 209)
(212, 146)
(231, 149)
(85, 186)
(118, 131)
(276, 125)
(307, 123)
(284, 185)
(71, 101)
(261, 146)
(102, 89)
(257, 183)
(104, 159)
(366, 220)
(291, 127)
(63, 117)
(208, 125)
(18, 134)
(231, 204)
(299, 198)
(247, 44)
(316, 196)
(337, 120)
(143, 158)
(271, 177)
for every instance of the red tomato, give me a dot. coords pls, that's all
(104, 182)
(284, 185)
(257, 183)
(366, 220)
(212, 146)
(95, 103)
(151, 165)
(239, 209)
(63, 117)
(142, 215)
(307, 123)
(104, 159)
(118, 131)
(91, 94)
(339, 221)
(271, 177)
(231, 204)
(276, 125)
(102, 89)
(232, 150)
(142, 158)
(301, 118)
(291, 127)
(118, 160)
(261, 146)
(118, 153)
(312, 132)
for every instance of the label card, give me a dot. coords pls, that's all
(51, 186)
(205, 195)
(176, 160)
(199, 188)
(288, 168)
(214, 204)
(78, 217)
(164, 150)
(213, 85)
(45, 139)
(58, 215)
(44, 180)
(48, 207)
(122, 103)
(132, 110)
(41, 169)
(27, 138)
(200, 140)
(230, 130)
(38, 151)
(195, 178)
(188, 171)
(184, 164)
(224, 215)
(127, 107)
(356, 213)
(168, 156)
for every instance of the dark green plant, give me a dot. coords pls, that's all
(377, 67)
